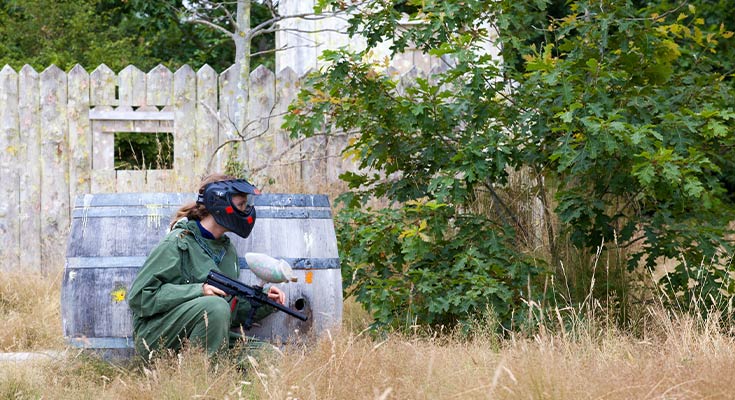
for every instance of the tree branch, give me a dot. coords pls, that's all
(214, 26)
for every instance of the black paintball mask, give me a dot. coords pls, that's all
(217, 199)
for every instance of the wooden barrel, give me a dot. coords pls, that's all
(112, 234)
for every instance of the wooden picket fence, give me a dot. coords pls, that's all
(57, 139)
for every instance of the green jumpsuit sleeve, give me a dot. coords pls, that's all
(159, 286)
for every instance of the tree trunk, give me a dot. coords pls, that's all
(242, 65)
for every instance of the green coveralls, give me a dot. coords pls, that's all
(166, 296)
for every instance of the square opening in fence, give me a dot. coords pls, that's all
(144, 151)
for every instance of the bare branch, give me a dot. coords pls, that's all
(214, 26)
(267, 26)
(278, 29)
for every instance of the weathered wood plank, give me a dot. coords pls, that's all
(104, 181)
(80, 132)
(261, 144)
(130, 115)
(227, 131)
(207, 131)
(314, 161)
(296, 38)
(159, 86)
(131, 181)
(9, 167)
(103, 157)
(55, 202)
(185, 98)
(285, 168)
(103, 83)
(161, 180)
(152, 125)
(422, 61)
(30, 174)
(132, 87)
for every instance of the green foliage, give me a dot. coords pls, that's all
(144, 150)
(427, 263)
(64, 33)
(135, 32)
(623, 111)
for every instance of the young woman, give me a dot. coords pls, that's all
(170, 302)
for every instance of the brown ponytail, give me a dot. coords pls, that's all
(194, 210)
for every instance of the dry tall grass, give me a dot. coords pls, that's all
(676, 357)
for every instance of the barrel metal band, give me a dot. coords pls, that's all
(101, 342)
(166, 212)
(175, 200)
(105, 262)
(303, 263)
(137, 262)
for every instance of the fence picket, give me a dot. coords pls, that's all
(55, 201)
(227, 130)
(9, 149)
(185, 123)
(285, 169)
(132, 87)
(30, 175)
(103, 84)
(80, 131)
(206, 121)
(159, 88)
(260, 142)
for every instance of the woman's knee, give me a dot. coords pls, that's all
(216, 309)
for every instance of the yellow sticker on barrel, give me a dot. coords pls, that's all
(309, 276)
(118, 295)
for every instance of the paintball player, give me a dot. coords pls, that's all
(169, 299)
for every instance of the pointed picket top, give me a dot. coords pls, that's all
(226, 93)
(185, 86)
(308, 71)
(132, 86)
(408, 79)
(102, 70)
(227, 76)
(392, 72)
(103, 82)
(8, 95)
(206, 72)
(261, 74)
(131, 69)
(185, 69)
(159, 90)
(207, 87)
(77, 70)
(185, 76)
(287, 79)
(52, 70)
(78, 84)
(435, 72)
(229, 70)
(27, 70)
(7, 70)
(288, 73)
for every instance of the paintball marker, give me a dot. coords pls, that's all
(253, 294)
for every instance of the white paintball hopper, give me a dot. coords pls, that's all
(269, 269)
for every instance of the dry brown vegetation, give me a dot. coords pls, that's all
(673, 357)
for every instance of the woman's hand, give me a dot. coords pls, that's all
(276, 295)
(209, 290)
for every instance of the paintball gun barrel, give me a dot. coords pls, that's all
(253, 294)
